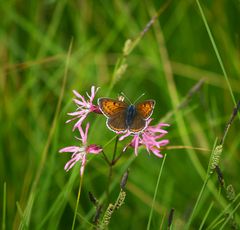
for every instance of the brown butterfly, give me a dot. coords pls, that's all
(122, 117)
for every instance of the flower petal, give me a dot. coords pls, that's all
(69, 149)
(83, 165)
(150, 138)
(93, 149)
(84, 106)
(124, 136)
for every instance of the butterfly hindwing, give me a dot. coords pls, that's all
(117, 123)
(138, 124)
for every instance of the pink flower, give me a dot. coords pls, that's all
(84, 107)
(150, 138)
(80, 152)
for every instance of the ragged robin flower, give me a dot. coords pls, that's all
(80, 152)
(150, 138)
(84, 107)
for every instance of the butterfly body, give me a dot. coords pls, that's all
(130, 114)
(122, 117)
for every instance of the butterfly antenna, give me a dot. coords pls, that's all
(139, 98)
(126, 97)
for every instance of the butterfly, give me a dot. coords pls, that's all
(122, 117)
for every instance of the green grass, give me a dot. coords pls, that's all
(50, 48)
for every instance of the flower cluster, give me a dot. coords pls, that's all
(80, 153)
(150, 137)
(84, 107)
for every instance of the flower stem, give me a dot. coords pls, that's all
(116, 159)
(109, 181)
(106, 158)
(115, 149)
(78, 198)
(111, 167)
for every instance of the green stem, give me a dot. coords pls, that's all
(4, 206)
(155, 193)
(111, 166)
(106, 158)
(115, 149)
(230, 215)
(206, 215)
(198, 200)
(216, 50)
(78, 198)
(220, 217)
(109, 181)
(116, 159)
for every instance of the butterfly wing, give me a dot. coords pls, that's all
(117, 122)
(111, 107)
(115, 111)
(138, 124)
(145, 109)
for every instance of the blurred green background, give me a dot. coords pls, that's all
(171, 57)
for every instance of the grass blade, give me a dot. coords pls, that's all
(216, 50)
(155, 192)
(4, 206)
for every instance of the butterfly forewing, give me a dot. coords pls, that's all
(145, 109)
(111, 107)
